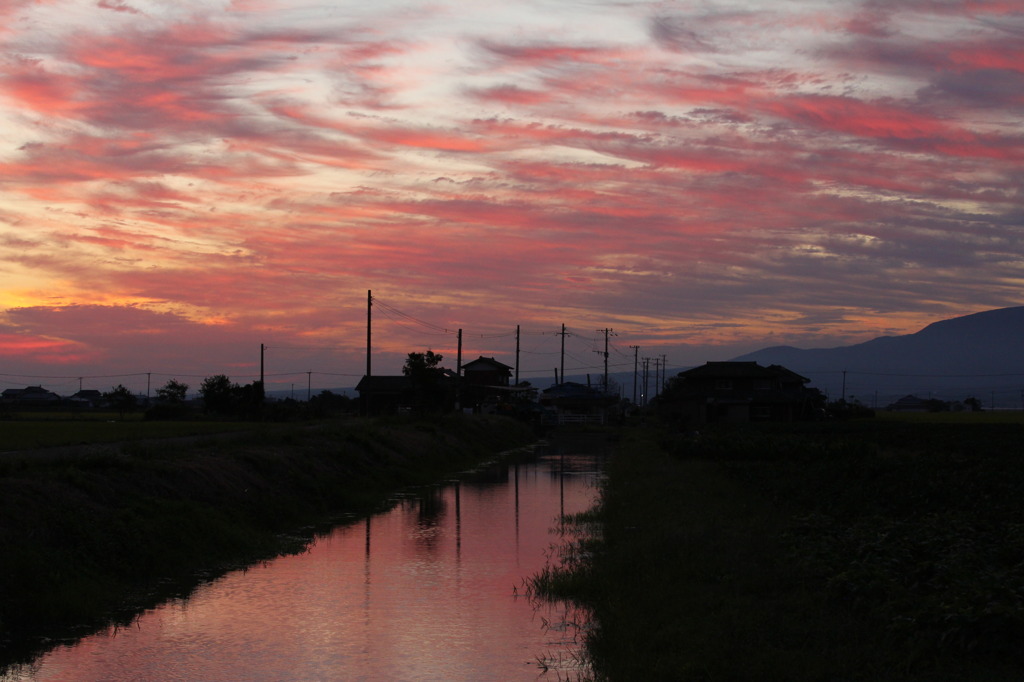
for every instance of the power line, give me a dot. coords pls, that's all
(394, 313)
(77, 376)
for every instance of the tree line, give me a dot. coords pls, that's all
(220, 396)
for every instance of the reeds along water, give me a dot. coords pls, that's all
(883, 550)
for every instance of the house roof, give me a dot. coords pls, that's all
(88, 393)
(741, 370)
(909, 402)
(395, 383)
(484, 364)
(30, 393)
(789, 374)
(728, 370)
(571, 391)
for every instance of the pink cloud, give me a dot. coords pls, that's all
(510, 94)
(42, 349)
(254, 168)
(117, 6)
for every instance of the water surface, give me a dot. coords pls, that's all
(430, 590)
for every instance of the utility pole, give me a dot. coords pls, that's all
(149, 375)
(843, 396)
(636, 353)
(309, 385)
(657, 373)
(458, 376)
(646, 365)
(263, 386)
(664, 368)
(369, 309)
(458, 357)
(606, 333)
(562, 366)
(517, 355)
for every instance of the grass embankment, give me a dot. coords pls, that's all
(26, 431)
(867, 551)
(92, 537)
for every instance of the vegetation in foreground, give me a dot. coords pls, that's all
(58, 429)
(91, 537)
(877, 550)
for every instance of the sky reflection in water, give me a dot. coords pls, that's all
(423, 592)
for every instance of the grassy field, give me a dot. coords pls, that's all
(26, 431)
(982, 417)
(889, 549)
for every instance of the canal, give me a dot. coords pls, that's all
(431, 589)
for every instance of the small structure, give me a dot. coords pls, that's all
(30, 395)
(909, 403)
(88, 397)
(574, 403)
(486, 372)
(385, 394)
(738, 392)
(485, 384)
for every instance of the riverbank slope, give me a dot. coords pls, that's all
(859, 551)
(90, 537)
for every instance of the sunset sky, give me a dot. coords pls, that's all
(183, 181)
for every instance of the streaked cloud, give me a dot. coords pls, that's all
(704, 178)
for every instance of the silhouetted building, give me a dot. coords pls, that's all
(88, 397)
(909, 403)
(571, 403)
(30, 395)
(485, 384)
(385, 394)
(389, 394)
(486, 372)
(738, 392)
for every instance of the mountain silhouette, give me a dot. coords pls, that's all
(977, 355)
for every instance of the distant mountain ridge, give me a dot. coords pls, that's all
(979, 354)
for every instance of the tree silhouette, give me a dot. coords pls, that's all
(423, 365)
(218, 393)
(121, 399)
(427, 378)
(172, 393)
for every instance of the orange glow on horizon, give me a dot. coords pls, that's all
(701, 179)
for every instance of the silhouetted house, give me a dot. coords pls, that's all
(485, 384)
(30, 395)
(88, 397)
(486, 372)
(738, 392)
(574, 403)
(385, 394)
(909, 403)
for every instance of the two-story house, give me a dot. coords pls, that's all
(739, 392)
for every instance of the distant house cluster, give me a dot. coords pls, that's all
(912, 403)
(716, 392)
(713, 392)
(39, 396)
(574, 403)
(485, 386)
